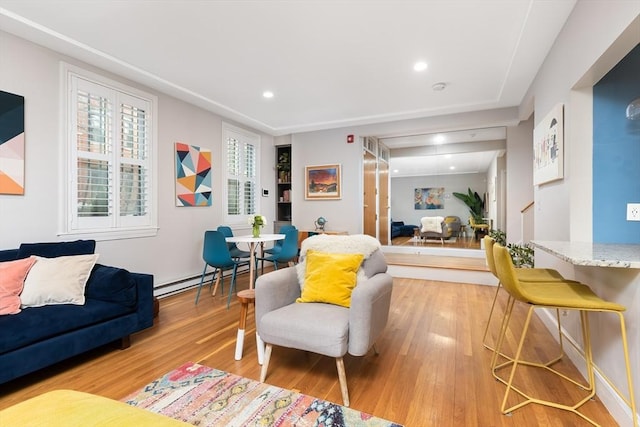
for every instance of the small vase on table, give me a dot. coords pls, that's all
(256, 230)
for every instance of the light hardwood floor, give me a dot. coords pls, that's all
(432, 369)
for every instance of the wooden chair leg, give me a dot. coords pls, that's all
(342, 377)
(265, 363)
(215, 287)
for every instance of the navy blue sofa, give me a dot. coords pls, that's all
(118, 303)
(398, 228)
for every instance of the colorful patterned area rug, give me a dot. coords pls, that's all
(204, 396)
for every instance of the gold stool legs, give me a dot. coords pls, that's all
(588, 357)
(492, 348)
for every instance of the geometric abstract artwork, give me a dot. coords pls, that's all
(193, 175)
(11, 143)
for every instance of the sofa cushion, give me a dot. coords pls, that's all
(12, 275)
(59, 280)
(320, 328)
(35, 324)
(74, 408)
(56, 249)
(8, 255)
(112, 284)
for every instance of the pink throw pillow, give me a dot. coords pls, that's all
(12, 276)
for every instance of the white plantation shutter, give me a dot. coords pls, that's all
(241, 159)
(110, 139)
(134, 161)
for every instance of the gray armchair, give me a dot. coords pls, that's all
(326, 329)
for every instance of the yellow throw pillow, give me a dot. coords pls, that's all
(330, 278)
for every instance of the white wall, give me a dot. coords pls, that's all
(402, 190)
(596, 36)
(519, 189)
(322, 148)
(176, 252)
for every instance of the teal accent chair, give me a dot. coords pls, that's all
(288, 251)
(215, 253)
(233, 248)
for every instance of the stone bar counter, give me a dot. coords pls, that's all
(593, 254)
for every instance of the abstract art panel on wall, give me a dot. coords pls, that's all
(548, 142)
(429, 198)
(193, 175)
(11, 143)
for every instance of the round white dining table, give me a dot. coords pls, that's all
(253, 241)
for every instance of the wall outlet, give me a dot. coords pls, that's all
(633, 211)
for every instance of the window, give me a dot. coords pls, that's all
(110, 182)
(241, 152)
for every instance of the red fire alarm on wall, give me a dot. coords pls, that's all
(349, 139)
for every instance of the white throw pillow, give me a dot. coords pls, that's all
(59, 280)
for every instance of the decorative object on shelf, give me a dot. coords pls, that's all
(322, 182)
(548, 143)
(284, 167)
(320, 223)
(429, 198)
(193, 175)
(11, 144)
(256, 221)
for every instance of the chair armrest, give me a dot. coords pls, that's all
(369, 312)
(276, 289)
(144, 304)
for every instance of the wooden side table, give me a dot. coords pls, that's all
(303, 234)
(463, 230)
(416, 235)
(246, 297)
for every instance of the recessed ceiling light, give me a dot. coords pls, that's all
(420, 66)
(438, 139)
(452, 167)
(267, 94)
(447, 156)
(396, 171)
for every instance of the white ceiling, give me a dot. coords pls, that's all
(456, 152)
(330, 64)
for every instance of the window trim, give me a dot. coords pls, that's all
(67, 158)
(226, 128)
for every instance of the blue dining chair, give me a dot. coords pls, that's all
(233, 248)
(215, 253)
(277, 245)
(288, 251)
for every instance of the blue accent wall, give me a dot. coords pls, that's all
(616, 153)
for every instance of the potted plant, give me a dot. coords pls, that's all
(474, 203)
(284, 166)
(521, 255)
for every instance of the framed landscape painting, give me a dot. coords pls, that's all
(322, 182)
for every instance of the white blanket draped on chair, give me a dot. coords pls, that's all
(432, 223)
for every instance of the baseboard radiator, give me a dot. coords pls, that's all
(181, 285)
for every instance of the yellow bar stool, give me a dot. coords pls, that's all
(524, 275)
(558, 295)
